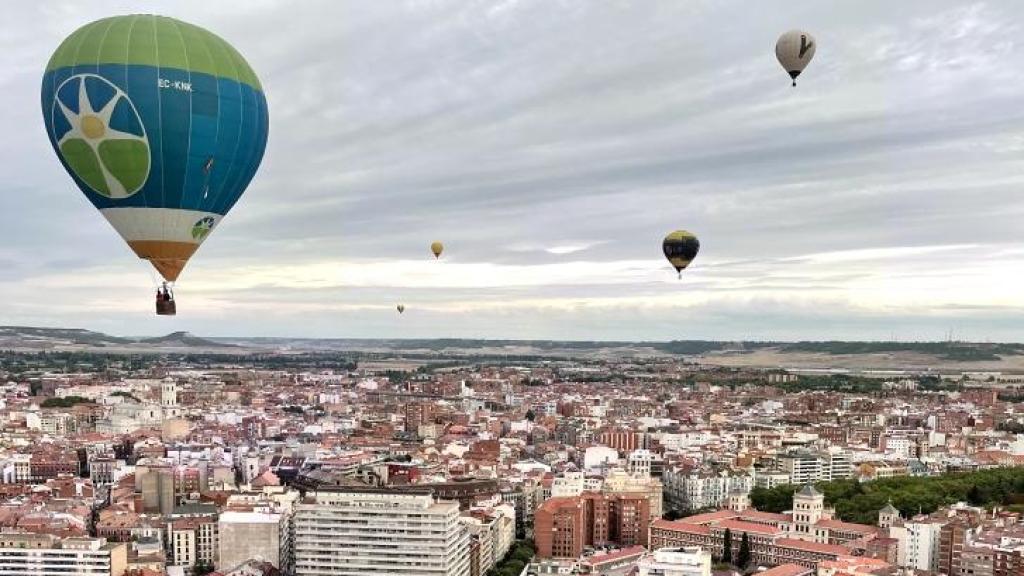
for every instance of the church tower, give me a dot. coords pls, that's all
(168, 393)
(888, 516)
(808, 508)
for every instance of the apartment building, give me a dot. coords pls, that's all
(696, 488)
(564, 526)
(361, 532)
(45, 554)
(248, 535)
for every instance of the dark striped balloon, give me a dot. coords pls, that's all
(680, 248)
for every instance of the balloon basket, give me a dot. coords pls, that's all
(166, 308)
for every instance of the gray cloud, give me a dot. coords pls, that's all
(511, 128)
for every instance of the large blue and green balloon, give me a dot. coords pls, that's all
(161, 124)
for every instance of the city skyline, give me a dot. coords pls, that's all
(551, 148)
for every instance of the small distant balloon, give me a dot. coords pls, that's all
(680, 248)
(794, 51)
(401, 308)
(437, 248)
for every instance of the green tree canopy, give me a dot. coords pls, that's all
(860, 501)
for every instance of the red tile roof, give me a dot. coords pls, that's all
(738, 527)
(710, 517)
(613, 556)
(859, 563)
(764, 516)
(559, 502)
(847, 526)
(680, 526)
(813, 546)
(787, 570)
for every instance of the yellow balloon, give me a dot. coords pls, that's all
(437, 248)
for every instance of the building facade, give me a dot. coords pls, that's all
(689, 561)
(564, 526)
(356, 532)
(44, 554)
(251, 535)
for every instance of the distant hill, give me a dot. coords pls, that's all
(959, 351)
(962, 351)
(56, 336)
(19, 337)
(184, 339)
(990, 356)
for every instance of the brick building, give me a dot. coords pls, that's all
(564, 526)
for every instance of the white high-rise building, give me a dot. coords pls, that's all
(494, 530)
(803, 467)
(836, 465)
(361, 532)
(918, 543)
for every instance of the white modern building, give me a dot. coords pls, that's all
(595, 457)
(802, 466)
(494, 530)
(693, 489)
(571, 484)
(251, 535)
(770, 480)
(687, 561)
(836, 464)
(640, 462)
(45, 554)
(918, 543)
(360, 532)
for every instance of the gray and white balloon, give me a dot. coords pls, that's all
(794, 51)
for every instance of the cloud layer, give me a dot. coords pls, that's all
(551, 145)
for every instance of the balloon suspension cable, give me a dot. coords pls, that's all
(152, 277)
(679, 274)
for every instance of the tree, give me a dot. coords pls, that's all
(727, 549)
(743, 559)
(65, 402)
(512, 568)
(859, 502)
(522, 554)
(777, 499)
(672, 514)
(530, 415)
(975, 496)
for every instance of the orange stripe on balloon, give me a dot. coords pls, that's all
(169, 258)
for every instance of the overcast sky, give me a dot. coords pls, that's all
(551, 144)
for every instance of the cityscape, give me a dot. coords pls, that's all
(512, 288)
(188, 455)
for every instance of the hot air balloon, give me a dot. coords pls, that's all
(401, 308)
(680, 247)
(794, 51)
(437, 248)
(161, 124)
